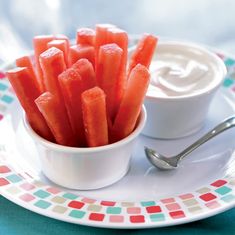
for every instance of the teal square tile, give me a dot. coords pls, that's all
(223, 190)
(77, 214)
(229, 62)
(42, 194)
(228, 82)
(157, 217)
(7, 99)
(113, 210)
(148, 203)
(228, 198)
(70, 196)
(42, 204)
(3, 87)
(14, 178)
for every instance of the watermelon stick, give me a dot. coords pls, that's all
(120, 37)
(25, 61)
(72, 87)
(63, 37)
(52, 64)
(101, 38)
(27, 91)
(57, 120)
(81, 51)
(62, 45)
(130, 106)
(108, 70)
(94, 117)
(40, 45)
(85, 36)
(87, 73)
(144, 52)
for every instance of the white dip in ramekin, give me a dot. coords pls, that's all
(184, 79)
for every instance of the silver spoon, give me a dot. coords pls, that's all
(168, 163)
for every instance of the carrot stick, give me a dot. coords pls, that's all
(108, 70)
(94, 117)
(57, 120)
(85, 36)
(130, 107)
(27, 91)
(81, 51)
(144, 51)
(72, 87)
(87, 73)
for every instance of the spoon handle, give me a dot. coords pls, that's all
(226, 124)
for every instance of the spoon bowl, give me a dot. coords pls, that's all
(168, 163)
(159, 160)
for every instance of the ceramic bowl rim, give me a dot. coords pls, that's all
(218, 61)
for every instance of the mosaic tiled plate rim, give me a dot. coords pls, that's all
(49, 201)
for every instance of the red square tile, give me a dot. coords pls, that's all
(96, 217)
(27, 197)
(186, 196)
(107, 203)
(4, 169)
(173, 206)
(53, 190)
(2, 75)
(1, 116)
(177, 214)
(3, 182)
(219, 183)
(137, 219)
(153, 209)
(116, 219)
(207, 197)
(133, 210)
(76, 204)
(168, 200)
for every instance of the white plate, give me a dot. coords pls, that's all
(204, 184)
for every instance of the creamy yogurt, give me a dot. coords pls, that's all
(184, 80)
(179, 70)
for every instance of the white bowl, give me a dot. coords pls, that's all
(86, 168)
(178, 116)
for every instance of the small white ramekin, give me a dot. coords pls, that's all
(86, 168)
(175, 117)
